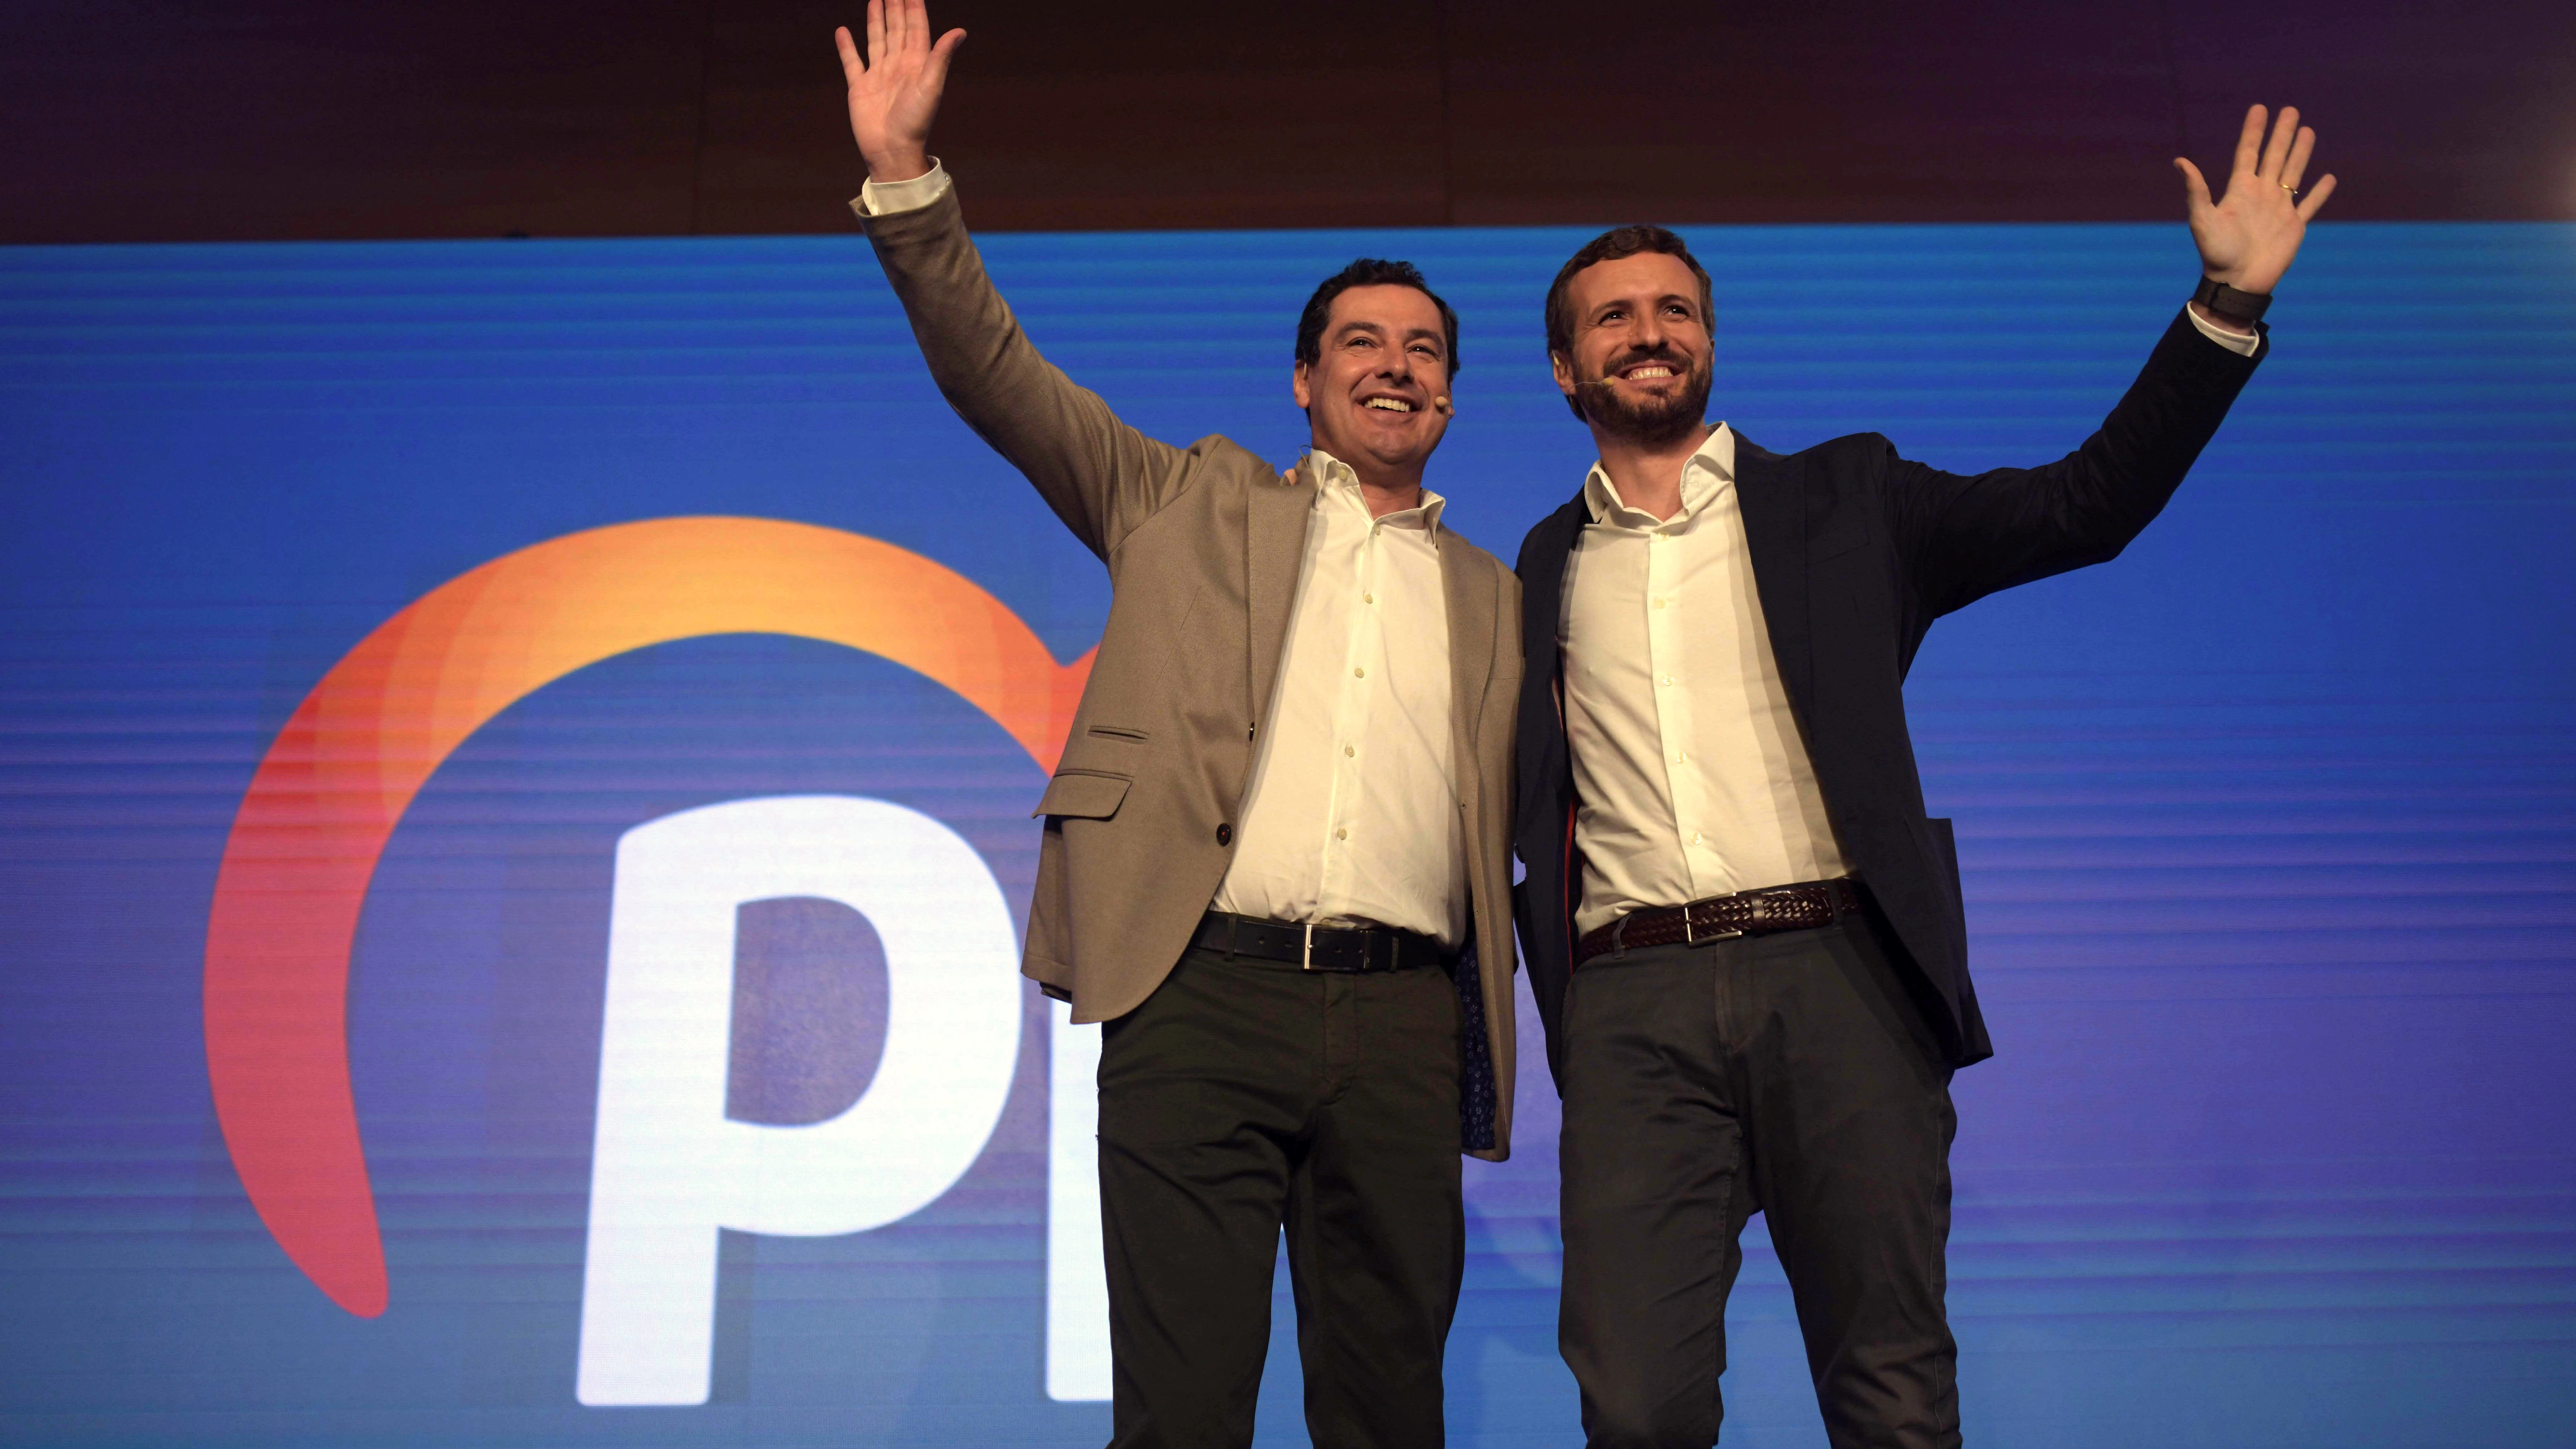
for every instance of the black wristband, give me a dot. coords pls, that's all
(2226, 301)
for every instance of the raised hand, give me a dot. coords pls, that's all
(896, 91)
(2248, 236)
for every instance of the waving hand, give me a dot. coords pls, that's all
(895, 91)
(2248, 236)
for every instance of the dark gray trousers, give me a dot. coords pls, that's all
(1244, 1096)
(1790, 1075)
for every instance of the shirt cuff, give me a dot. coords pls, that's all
(900, 196)
(2242, 345)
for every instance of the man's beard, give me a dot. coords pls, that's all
(1648, 421)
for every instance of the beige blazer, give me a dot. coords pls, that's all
(1203, 545)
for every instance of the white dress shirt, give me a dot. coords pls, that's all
(1690, 775)
(1351, 814)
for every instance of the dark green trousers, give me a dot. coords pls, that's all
(1790, 1075)
(1245, 1096)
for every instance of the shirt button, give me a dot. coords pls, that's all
(1360, 673)
(1341, 835)
(1680, 759)
(1368, 598)
(1659, 603)
(1347, 751)
(1694, 837)
(1225, 835)
(1667, 679)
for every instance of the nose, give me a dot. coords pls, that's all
(1648, 331)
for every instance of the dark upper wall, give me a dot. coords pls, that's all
(397, 118)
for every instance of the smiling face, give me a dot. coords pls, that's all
(1369, 395)
(1640, 350)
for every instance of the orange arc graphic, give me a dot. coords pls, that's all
(338, 777)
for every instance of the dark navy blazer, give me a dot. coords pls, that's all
(1855, 552)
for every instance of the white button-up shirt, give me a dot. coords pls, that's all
(1351, 814)
(1691, 775)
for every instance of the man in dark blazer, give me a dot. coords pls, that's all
(1744, 934)
(1276, 858)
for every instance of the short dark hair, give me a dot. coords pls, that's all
(1367, 272)
(1610, 246)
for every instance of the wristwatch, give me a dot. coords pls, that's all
(2226, 301)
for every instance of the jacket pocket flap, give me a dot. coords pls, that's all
(1093, 797)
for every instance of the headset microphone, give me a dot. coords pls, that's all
(1442, 403)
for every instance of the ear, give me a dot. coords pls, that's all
(1562, 369)
(1300, 388)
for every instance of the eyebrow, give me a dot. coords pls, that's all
(1688, 301)
(1414, 334)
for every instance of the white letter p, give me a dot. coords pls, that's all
(669, 1169)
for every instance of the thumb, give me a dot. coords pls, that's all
(943, 51)
(2195, 191)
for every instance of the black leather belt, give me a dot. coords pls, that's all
(1318, 948)
(1800, 907)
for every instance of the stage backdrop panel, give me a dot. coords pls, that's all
(601, 659)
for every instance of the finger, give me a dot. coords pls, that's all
(2249, 141)
(2316, 196)
(2297, 165)
(2195, 191)
(2278, 152)
(940, 53)
(876, 32)
(851, 66)
(908, 34)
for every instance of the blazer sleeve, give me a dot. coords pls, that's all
(1101, 476)
(1965, 536)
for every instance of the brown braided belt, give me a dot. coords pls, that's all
(1800, 907)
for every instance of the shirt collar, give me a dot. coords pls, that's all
(1337, 486)
(1710, 472)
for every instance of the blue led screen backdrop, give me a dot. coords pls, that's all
(691, 654)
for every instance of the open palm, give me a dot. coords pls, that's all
(895, 92)
(2248, 237)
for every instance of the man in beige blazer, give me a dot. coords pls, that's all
(1274, 862)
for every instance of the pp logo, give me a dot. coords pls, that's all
(670, 1171)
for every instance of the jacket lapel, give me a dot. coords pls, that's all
(1274, 540)
(1775, 537)
(1543, 590)
(1471, 642)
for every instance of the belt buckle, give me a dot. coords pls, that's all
(1690, 927)
(1306, 960)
